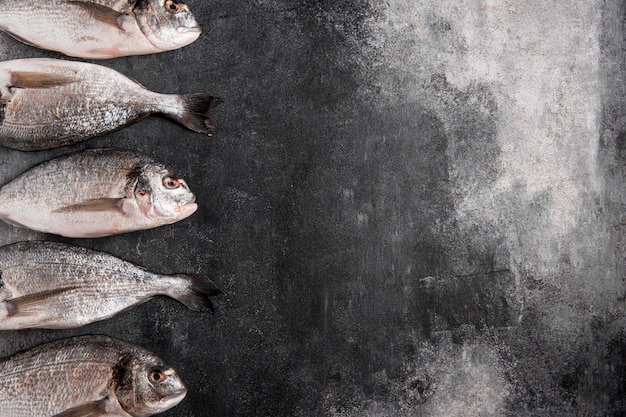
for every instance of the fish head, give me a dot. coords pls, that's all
(166, 24)
(162, 197)
(147, 386)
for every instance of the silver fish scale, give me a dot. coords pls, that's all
(64, 374)
(74, 286)
(53, 378)
(49, 103)
(54, 285)
(68, 377)
(85, 175)
(97, 102)
(60, 387)
(96, 193)
(77, 28)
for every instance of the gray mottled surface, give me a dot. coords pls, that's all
(415, 208)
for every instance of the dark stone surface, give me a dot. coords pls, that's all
(413, 208)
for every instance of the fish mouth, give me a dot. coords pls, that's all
(173, 399)
(187, 209)
(194, 29)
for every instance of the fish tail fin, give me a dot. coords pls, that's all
(195, 114)
(200, 291)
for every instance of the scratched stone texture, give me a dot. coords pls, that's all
(414, 208)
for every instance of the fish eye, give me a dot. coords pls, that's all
(170, 183)
(156, 376)
(173, 6)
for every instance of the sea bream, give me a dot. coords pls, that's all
(58, 286)
(100, 29)
(88, 376)
(94, 193)
(49, 103)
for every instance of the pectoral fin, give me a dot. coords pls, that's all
(10, 221)
(102, 13)
(95, 205)
(33, 304)
(105, 52)
(94, 409)
(19, 38)
(31, 79)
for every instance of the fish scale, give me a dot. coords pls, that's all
(49, 103)
(96, 193)
(42, 114)
(55, 285)
(57, 393)
(100, 29)
(87, 376)
(85, 370)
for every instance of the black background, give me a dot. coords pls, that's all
(385, 246)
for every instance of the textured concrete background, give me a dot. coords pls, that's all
(415, 208)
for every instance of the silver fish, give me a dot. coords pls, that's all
(100, 29)
(88, 376)
(49, 103)
(57, 286)
(94, 193)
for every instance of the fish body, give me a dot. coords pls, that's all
(87, 376)
(100, 29)
(95, 193)
(58, 286)
(49, 103)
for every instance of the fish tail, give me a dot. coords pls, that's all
(200, 289)
(195, 115)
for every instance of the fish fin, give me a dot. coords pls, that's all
(12, 222)
(20, 39)
(196, 111)
(32, 79)
(102, 13)
(93, 409)
(105, 53)
(200, 290)
(95, 205)
(30, 305)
